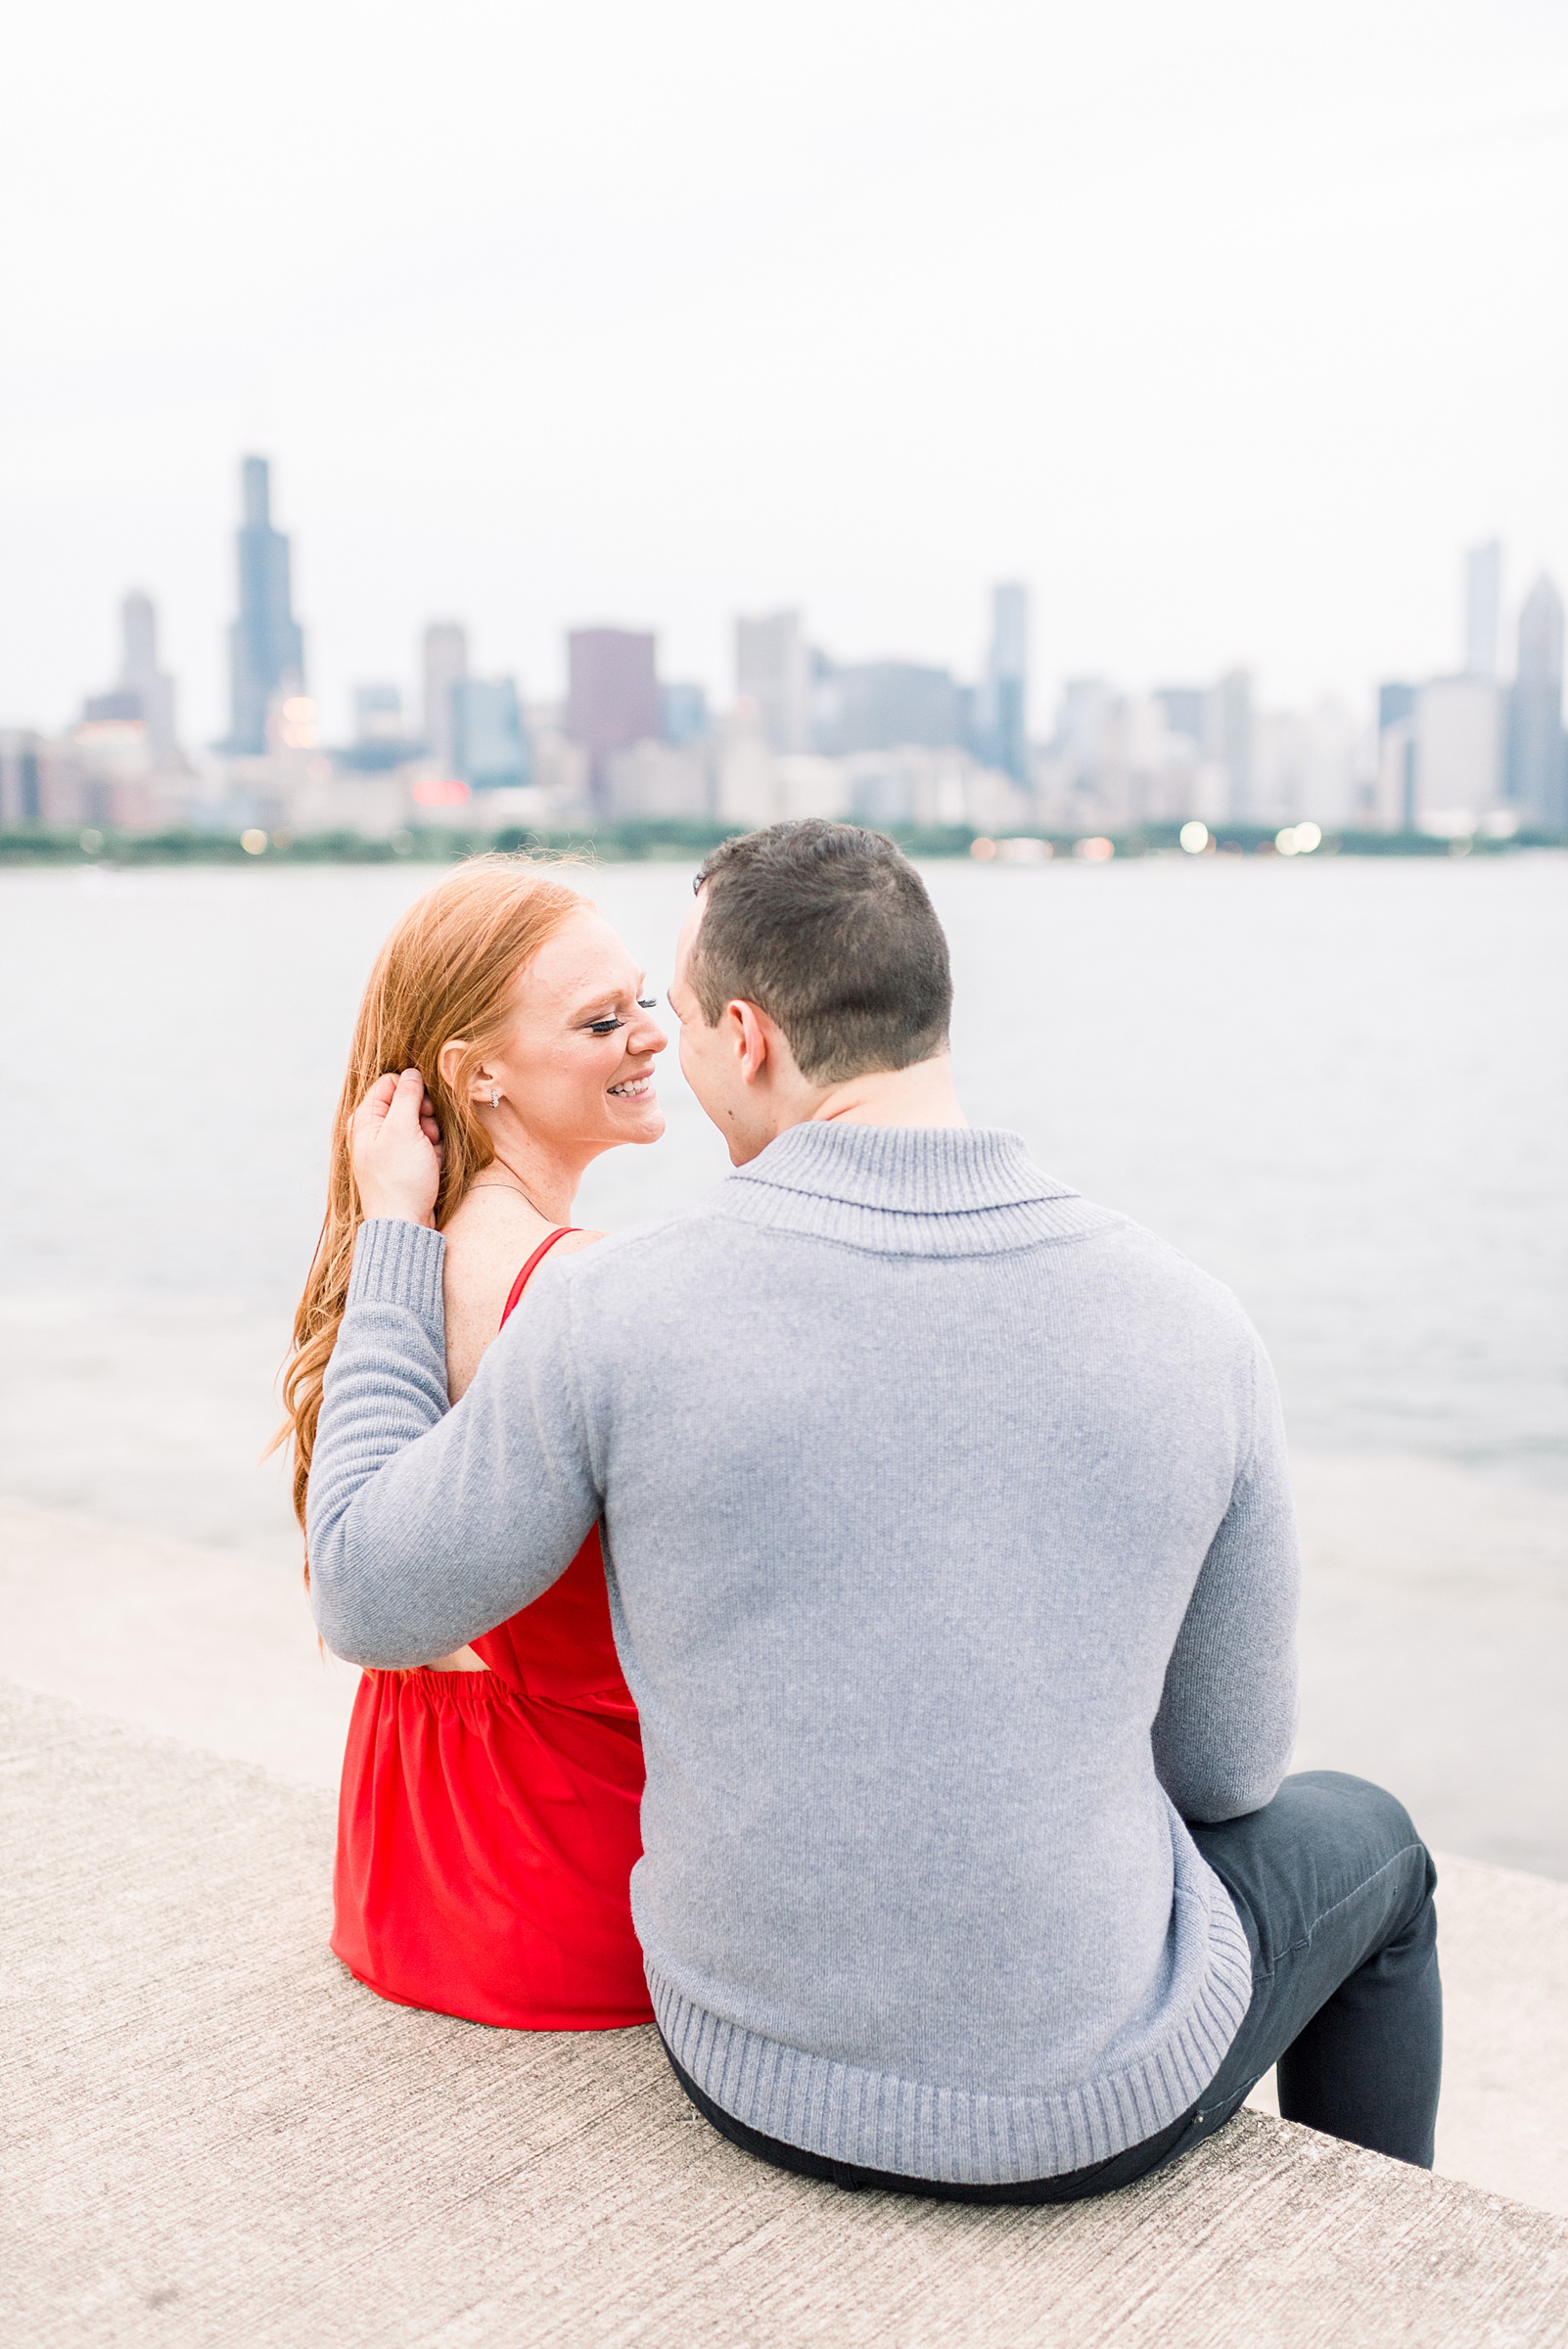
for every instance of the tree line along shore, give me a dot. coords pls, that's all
(676, 840)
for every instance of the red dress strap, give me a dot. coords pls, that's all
(522, 1281)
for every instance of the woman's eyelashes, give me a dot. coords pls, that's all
(612, 1019)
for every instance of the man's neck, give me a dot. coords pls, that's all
(919, 1096)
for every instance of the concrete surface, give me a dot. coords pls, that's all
(217, 1651)
(214, 2137)
(1435, 1649)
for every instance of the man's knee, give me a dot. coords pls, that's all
(1327, 1839)
(1354, 1812)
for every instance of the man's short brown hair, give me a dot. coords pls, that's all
(828, 929)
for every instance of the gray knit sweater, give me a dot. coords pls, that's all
(952, 1564)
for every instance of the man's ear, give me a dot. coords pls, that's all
(751, 1038)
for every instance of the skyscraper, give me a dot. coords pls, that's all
(490, 749)
(1536, 781)
(145, 691)
(612, 696)
(883, 705)
(1230, 739)
(1483, 596)
(153, 687)
(1458, 747)
(1184, 710)
(445, 667)
(772, 669)
(1004, 698)
(266, 649)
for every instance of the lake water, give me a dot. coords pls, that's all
(1338, 1084)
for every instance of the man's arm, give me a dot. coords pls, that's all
(429, 1524)
(1226, 1723)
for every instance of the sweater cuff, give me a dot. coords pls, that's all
(399, 1264)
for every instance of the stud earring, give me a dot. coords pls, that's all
(495, 1096)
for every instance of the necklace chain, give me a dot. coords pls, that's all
(511, 1187)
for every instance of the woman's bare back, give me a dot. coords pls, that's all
(489, 1240)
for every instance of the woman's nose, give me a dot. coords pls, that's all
(650, 1037)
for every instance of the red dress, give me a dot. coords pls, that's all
(487, 1822)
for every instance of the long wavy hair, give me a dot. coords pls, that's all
(448, 971)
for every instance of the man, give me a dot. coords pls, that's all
(953, 1569)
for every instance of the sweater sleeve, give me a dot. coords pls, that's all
(1227, 1723)
(429, 1523)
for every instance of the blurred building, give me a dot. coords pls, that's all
(490, 750)
(1395, 702)
(1459, 750)
(612, 696)
(879, 704)
(1537, 785)
(379, 714)
(1305, 764)
(1229, 740)
(1116, 762)
(934, 786)
(773, 670)
(445, 666)
(21, 753)
(144, 694)
(381, 739)
(1393, 802)
(266, 647)
(1186, 708)
(657, 779)
(144, 690)
(1002, 732)
(683, 714)
(1483, 605)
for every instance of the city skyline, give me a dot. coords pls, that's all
(772, 662)
(892, 741)
(1223, 342)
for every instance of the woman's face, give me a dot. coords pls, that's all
(575, 1064)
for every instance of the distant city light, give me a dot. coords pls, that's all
(253, 842)
(1298, 840)
(441, 791)
(983, 849)
(1095, 851)
(298, 723)
(1025, 849)
(1194, 838)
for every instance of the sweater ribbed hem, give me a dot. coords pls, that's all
(399, 1264)
(960, 2137)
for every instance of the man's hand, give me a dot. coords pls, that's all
(396, 1150)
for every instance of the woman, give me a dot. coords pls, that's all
(487, 1822)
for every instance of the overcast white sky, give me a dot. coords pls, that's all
(1227, 326)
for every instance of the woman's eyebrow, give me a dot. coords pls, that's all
(609, 996)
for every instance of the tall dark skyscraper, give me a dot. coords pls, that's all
(266, 650)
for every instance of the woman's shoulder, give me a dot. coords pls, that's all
(489, 1238)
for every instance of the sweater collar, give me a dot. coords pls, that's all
(913, 1170)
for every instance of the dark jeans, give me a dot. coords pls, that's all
(1335, 1889)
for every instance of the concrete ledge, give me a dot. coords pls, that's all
(215, 2137)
